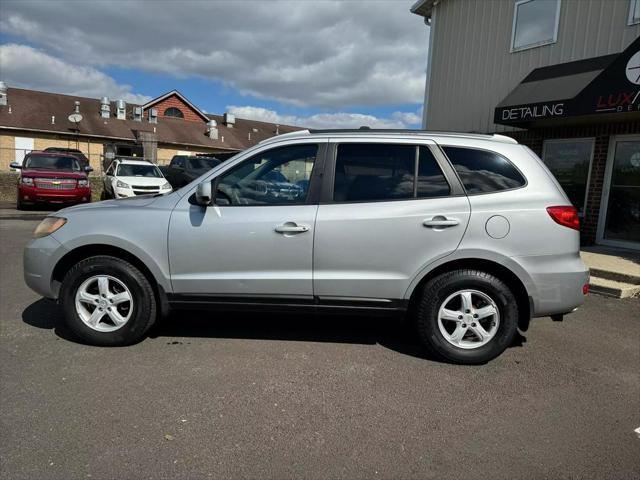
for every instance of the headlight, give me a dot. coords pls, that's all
(83, 183)
(27, 181)
(165, 186)
(48, 226)
(120, 184)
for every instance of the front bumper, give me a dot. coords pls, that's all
(40, 257)
(119, 192)
(29, 194)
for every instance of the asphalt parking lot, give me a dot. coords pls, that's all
(231, 396)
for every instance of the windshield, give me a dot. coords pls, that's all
(203, 162)
(131, 170)
(52, 162)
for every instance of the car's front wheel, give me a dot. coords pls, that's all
(108, 301)
(466, 316)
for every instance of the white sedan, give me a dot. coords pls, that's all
(127, 178)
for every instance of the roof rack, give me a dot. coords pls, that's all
(393, 131)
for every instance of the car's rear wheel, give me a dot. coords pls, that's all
(108, 301)
(466, 316)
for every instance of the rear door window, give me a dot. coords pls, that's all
(386, 172)
(482, 171)
(431, 181)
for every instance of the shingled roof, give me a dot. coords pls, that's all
(46, 112)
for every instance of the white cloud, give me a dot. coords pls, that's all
(330, 54)
(408, 118)
(327, 120)
(30, 68)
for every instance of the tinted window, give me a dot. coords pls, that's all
(199, 163)
(275, 177)
(374, 172)
(431, 181)
(178, 161)
(482, 171)
(52, 162)
(369, 172)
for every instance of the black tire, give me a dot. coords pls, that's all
(438, 289)
(20, 205)
(144, 304)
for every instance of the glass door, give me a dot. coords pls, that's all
(620, 212)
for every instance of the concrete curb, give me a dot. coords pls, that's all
(27, 216)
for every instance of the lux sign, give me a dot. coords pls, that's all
(532, 112)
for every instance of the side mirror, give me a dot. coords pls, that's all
(204, 195)
(15, 165)
(88, 169)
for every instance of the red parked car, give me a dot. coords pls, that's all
(52, 178)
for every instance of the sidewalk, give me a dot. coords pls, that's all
(8, 211)
(614, 271)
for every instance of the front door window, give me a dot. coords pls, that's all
(622, 223)
(275, 177)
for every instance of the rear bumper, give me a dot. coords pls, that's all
(28, 194)
(557, 282)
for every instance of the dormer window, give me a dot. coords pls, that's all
(173, 112)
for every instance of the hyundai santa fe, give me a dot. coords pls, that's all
(469, 236)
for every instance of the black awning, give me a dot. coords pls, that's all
(607, 84)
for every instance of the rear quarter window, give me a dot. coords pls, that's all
(483, 171)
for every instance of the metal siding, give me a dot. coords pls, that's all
(473, 69)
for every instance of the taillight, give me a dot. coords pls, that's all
(567, 216)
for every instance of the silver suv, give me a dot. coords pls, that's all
(469, 236)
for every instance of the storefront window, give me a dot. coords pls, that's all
(634, 12)
(569, 161)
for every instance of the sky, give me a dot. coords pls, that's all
(313, 63)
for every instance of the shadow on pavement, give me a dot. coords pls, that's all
(392, 333)
(47, 314)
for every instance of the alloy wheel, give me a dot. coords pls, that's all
(468, 319)
(104, 303)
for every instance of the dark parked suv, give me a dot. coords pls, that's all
(184, 169)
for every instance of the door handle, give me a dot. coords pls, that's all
(291, 227)
(440, 221)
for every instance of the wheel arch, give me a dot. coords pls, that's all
(85, 251)
(519, 288)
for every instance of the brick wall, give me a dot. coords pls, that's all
(535, 138)
(174, 101)
(92, 148)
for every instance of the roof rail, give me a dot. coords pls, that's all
(297, 133)
(391, 131)
(503, 138)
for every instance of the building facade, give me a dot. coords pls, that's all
(560, 77)
(164, 127)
